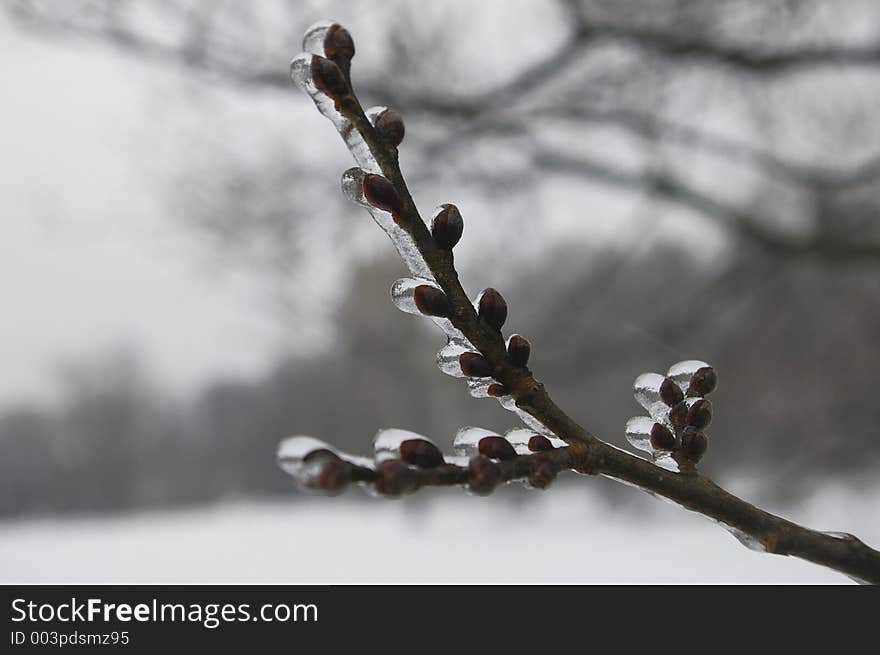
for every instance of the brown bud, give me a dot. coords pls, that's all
(693, 443)
(328, 78)
(703, 382)
(492, 308)
(394, 478)
(379, 192)
(431, 301)
(662, 438)
(421, 453)
(678, 415)
(338, 43)
(539, 443)
(447, 226)
(474, 365)
(496, 448)
(670, 393)
(389, 125)
(326, 473)
(700, 414)
(483, 475)
(541, 474)
(497, 390)
(518, 350)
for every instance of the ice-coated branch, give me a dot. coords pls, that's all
(679, 412)
(405, 462)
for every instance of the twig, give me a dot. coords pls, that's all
(589, 454)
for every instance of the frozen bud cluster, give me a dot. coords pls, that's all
(678, 413)
(314, 465)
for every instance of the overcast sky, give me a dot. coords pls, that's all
(87, 262)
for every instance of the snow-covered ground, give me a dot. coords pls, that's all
(566, 535)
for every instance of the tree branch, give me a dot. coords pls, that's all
(739, 222)
(687, 488)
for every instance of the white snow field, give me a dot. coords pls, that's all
(564, 535)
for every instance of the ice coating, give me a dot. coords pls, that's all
(479, 387)
(745, 539)
(646, 390)
(292, 450)
(681, 372)
(374, 112)
(313, 39)
(457, 460)
(664, 459)
(353, 188)
(447, 357)
(467, 439)
(638, 432)
(519, 438)
(301, 74)
(402, 295)
(352, 185)
(386, 443)
(529, 420)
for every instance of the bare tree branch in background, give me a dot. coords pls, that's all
(671, 39)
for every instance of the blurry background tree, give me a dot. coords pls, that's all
(662, 179)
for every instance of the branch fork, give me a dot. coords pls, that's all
(673, 434)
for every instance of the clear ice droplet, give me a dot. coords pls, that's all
(479, 387)
(519, 437)
(374, 112)
(313, 39)
(646, 390)
(403, 294)
(467, 439)
(681, 372)
(386, 443)
(352, 184)
(448, 358)
(638, 432)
